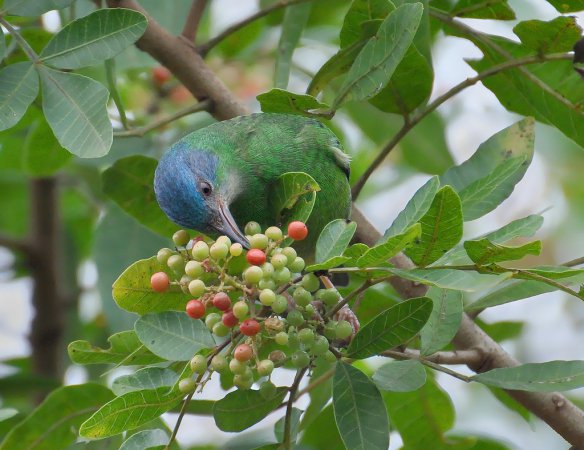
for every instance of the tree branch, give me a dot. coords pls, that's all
(14, 243)
(467, 356)
(194, 17)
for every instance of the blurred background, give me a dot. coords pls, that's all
(99, 240)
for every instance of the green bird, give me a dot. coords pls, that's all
(218, 178)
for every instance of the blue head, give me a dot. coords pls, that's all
(190, 192)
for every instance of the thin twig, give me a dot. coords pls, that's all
(207, 46)
(470, 356)
(427, 362)
(417, 118)
(32, 55)
(193, 20)
(286, 442)
(205, 105)
(14, 243)
(366, 285)
(316, 383)
(110, 75)
(574, 262)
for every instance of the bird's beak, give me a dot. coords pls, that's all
(226, 225)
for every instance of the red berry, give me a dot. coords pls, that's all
(159, 281)
(221, 301)
(256, 257)
(160, 75)
(249, 327)
(243, 352)
(229, 319)
(195, 309)
(297, 230)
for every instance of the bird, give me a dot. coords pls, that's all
(218, 178)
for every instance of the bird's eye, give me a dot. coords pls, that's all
(205, 188)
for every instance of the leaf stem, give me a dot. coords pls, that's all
(287, 441)
(110, 75)
(32, 55)
(401, 355)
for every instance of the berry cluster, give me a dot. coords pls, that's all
(274, 314)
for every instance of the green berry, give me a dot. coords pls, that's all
(280, 304)
(194, 269)
(320, 345)
(265, 368)
(220, 330)
(176, 263)
(344, 329)
(330, 357)
(297, 265)
(252, 228)
(295, 318)
(300, 359)
(330, 297)
(267, 297)
(200, 251)
(306, 336)
(218, 251)
(242, 382)
(187, 385)
(267, 269)
(253, 274)
(197, 288)
(258, 240)
(181, 238)
(330, 330)
(224, 240)
(267, 390)
(199, 364)
(240, 309)
(281, 338)
(310, 282)
(308, 312)
(282, 276)
(236, 366)
(236, 249)
(302, 297)
(274, 233)
(219, 363)
(290, 254)
(267, 284)
(279, 261)
(293, 341)
(212, 319)
(163, 255)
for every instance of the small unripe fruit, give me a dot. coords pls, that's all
(163, 255)
(265, 368)
(198, 364)
(280, 304)
(181, 238)
(249, 327)
(159, 281)
(220, 330)
(218, 251)
(320, 345)
(256, 257)
(330, 297)
(195, 309)
(200, 251)
(274, 233)
(330, 330)
(187, 385)
(258, 240)
(297, 265)
(279, 261)
(236, 249)
(197, 288)
(176, 263)
(295, 318)
(267, 297)
(219, 363)
(224, 240)
(281, 338)
(308, 312)
(253, 274)
(267, 284)
(306, 336)
(293, 341)
(212, 319)
(282, 276)
(241, 310)
(330, 357)
(310, 282)
(268, 270)
(290, 254)
(243, 352)
(267, 390)
(302, 297)
(236, 366)
(242, 382)
(344, 329)
(194, 269)
(277, 356)
(300, 359)
(297, 230)
(228, 319)
(221, 301)
(184, 283)
(252, 228)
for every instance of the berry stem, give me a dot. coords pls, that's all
(287, 444)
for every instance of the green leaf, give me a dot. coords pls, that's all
(240, 409)
(323, 432)
(557, 35)
(331, 263)
(504, 158)
(362, 11)
(294, 421)
(536, 377)
(32, 7)
(481, 9)
(94, 38)
(42, 154)
(379, 58)
(146, 378)
(129, 411)
(390, 247)
(75, 107)
(146, 439)
(173, 335)
(125, 348)
(54, 423)
(393, 327)
(564, 6)
(415, 209)
(286, 102)
(320, 394)
(292, 197)
(400, 376)
(19, 86)
(132, 290)
(360, 414)
(484, 252)
(441, 228)
(421, 417)
(334, 239)
(444, 320)
(295, 19)
(130, 183)
(462, 280)
(7, 413)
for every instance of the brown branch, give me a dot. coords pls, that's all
(467, 356)
(194, 17)
(15, 244)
